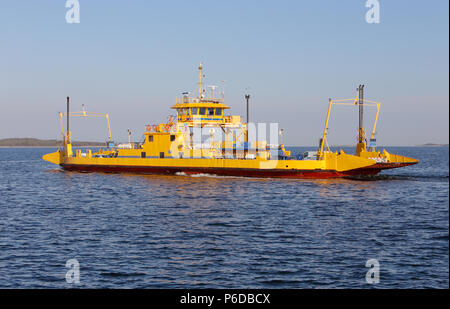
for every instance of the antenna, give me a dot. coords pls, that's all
(223, 90)
(212, 90)
(186, 96)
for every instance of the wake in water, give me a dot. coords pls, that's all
(219, 176)
(54, 170)
(391, 177)
(412, 177)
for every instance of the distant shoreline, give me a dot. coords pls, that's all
(41, 143)
(383, 146)
(80, 146)
(433, 145)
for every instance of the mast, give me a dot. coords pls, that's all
(67, 145)
(361, 114)
(247, 97)
(361, 145)
(67, 131)
(200, 81)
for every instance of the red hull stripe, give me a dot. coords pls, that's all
(243, 172)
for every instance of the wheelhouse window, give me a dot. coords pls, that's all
(210, 111)
(219, 111)
(150, 138)
(202, 111)
(194, 111)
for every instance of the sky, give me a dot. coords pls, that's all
(132, 59)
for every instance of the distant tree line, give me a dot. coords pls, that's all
(35, 142)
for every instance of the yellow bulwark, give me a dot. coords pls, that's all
(173, 148)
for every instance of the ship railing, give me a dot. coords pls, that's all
(185, 100)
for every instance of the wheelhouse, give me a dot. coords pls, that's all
(207, 112)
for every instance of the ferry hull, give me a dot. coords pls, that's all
(376, 168)
(239, 172)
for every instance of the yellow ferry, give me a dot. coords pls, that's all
(174, 147)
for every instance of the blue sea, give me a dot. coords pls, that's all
(132, 231)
